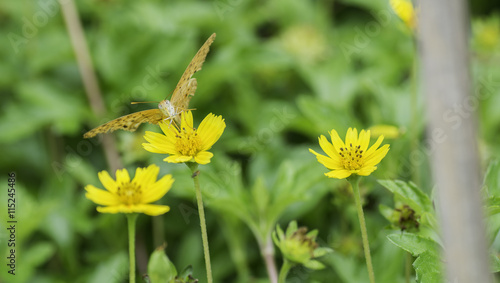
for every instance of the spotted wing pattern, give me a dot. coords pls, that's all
(128, 122)
(186, 86)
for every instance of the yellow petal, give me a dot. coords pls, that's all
(374, 147)
(158, 189)
(152, 209)
(177, 158)
(336, 140)
(364, 140)
(327, 147)
(210, 130)
(365, 171)
(170, 131)
(338, 174)
(100, 197)
(147, 175)
(203, 157)
(328, 162)
(108, 182)
(151, 148)
(160, 142)
(187, 120)
(377, 156)
(122, 176)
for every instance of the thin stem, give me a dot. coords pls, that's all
(131, 217)
(366, 246)
(267, 251)
(285, 268)
(89, 78)
(204, 236)
(408, 267)
(415, 118)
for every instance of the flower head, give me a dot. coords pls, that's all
(299, 246)
(351, 157)
(405, 11)
(186, 143)
(125, 196)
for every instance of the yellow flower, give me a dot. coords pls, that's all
(404, 10)
(125, 196)
(351, 157)
(186, 143)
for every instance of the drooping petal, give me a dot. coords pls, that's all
(177, 159)
(152, 209)
(203, 157)
(338, 174)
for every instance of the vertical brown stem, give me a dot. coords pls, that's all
(77, 37)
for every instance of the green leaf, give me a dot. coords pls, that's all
(321, 251)
(409, 194)
(160, 268)
(414, 244)
(314, 265)
(491, 183)
(428, 268)
(495, 263)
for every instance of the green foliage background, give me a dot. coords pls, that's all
(280, 72)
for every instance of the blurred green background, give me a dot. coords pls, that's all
(280, 72)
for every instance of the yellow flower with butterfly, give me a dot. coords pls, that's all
(167, 109)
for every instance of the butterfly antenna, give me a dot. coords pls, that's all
(137, 102)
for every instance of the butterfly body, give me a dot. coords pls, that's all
(167, 109)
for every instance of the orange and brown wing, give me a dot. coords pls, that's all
(128, 122)
(179, 95)
(186, 92)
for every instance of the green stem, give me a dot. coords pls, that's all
(285, 268)
(408, 267)
(131, 218)
(354, 182)
(204, 236)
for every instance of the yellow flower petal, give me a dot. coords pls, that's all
(203, 157)
(338, 174)
(99, 196)
(108, 182)
(158, 190)
(122, 176)
(177, 159)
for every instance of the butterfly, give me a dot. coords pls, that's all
(167, 109)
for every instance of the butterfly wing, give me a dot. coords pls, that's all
(128, 122)
(180, 98)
